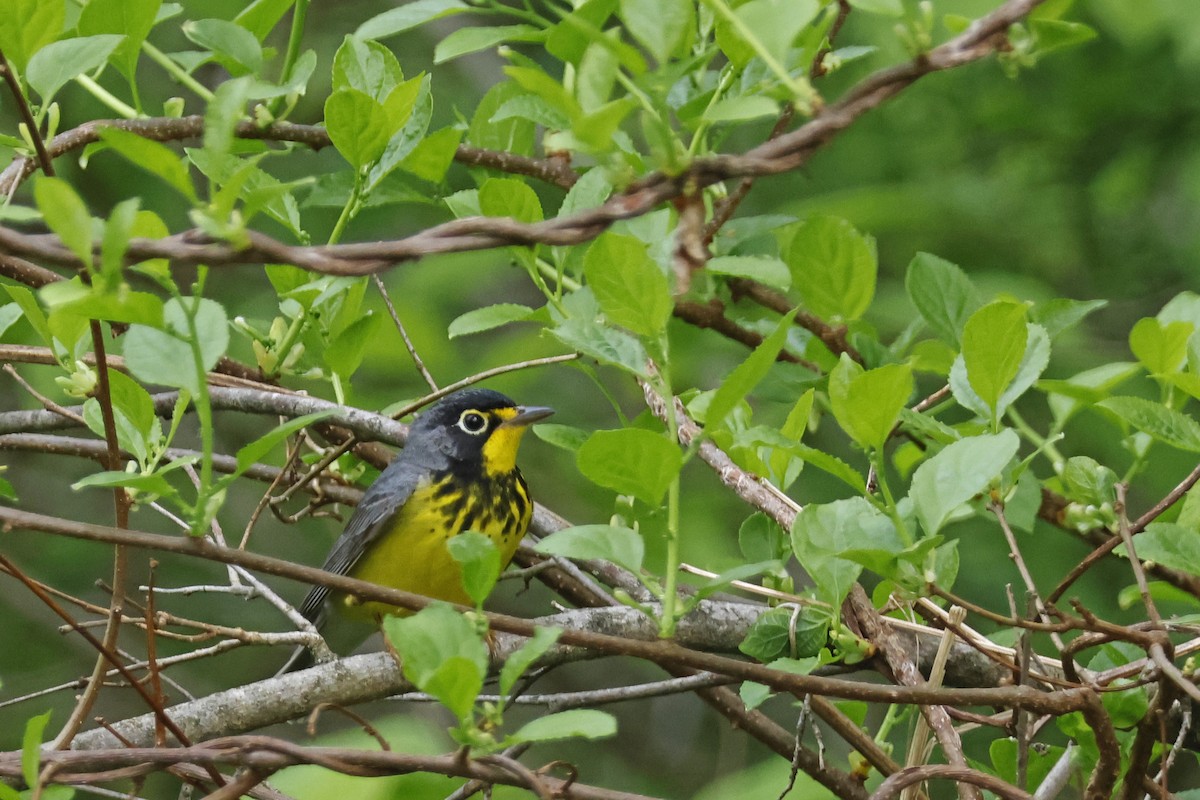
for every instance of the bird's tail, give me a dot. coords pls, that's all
(301, 658)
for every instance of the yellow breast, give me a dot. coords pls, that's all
(412, 554)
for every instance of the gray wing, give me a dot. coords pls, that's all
(379, 505)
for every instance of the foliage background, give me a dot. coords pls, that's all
(1081, 178)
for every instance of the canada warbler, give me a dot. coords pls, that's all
(457, 472)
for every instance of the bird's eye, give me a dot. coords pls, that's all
(472, 422)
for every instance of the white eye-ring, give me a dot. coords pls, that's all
(472, 422)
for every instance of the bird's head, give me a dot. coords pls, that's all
(476, 427)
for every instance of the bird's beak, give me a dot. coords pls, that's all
(527, 415)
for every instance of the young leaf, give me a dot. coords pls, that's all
(250, 454)
(359, 126)
(993, 344)
(261, 16)
(58, 62)
(822, 532)
(1161, 348)
(961, 471)
(479, 563)
(442, 653)
(234, 46)
(472, 39)
(584, 723)
(519, 662)
(1033, 364)
(433, 155)
(764, 269)
(31, 746)
(748, 374)
(607, 542)
(631, 461)
(345, 353)
(408, 16)
(632, 290)
(66, 215)
(154, 157)
(26, 26)
(662, 27)
(867, 404)
(943, 295)
(487, 318)
(366, 66)
(833, 267)
(510, 197)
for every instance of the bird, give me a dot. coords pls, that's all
(457, 472)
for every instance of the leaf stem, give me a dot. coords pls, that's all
(107, 98)
(177, 72)
(295, 37)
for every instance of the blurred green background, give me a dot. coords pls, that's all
(1080, 179)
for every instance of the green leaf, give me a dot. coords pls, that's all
(764, 269)
(121, 304)
(822, 532)
(28, 304)
(1088, 481)
(993, 345)
(773, 633)
(366, 66)
(605, 344)
(133, 19)
(631, 461)
(1170, 545)
(58, 62)
(1055, 34)
(961, 471)
(222, 115)
(472, 39)
(152, 483)
(632, 290)
(1059, 314)
(741, 109)
(26, 26)
(662, 27)
(761, 539)
(1161, 348)
(890, 8)
(235, 47)
(164, 355)
(590, 191)
(345, 353)
(249, 455)
(943, 295)
(359, 127)
(510, 197)
(833, 267)
(479, 560)
(584, 723)
(606, 542)
(764, 27)
(433, 155)
(154, 157)
(1165, 424)
(261, 16)
(442, 653)
(1033, 364)
(748, 374)
(487, 318)
(519, 662)
(408, 16)
(31, 748)
(867, 404)
(66, 215)
(513, 135)
(565, 437)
